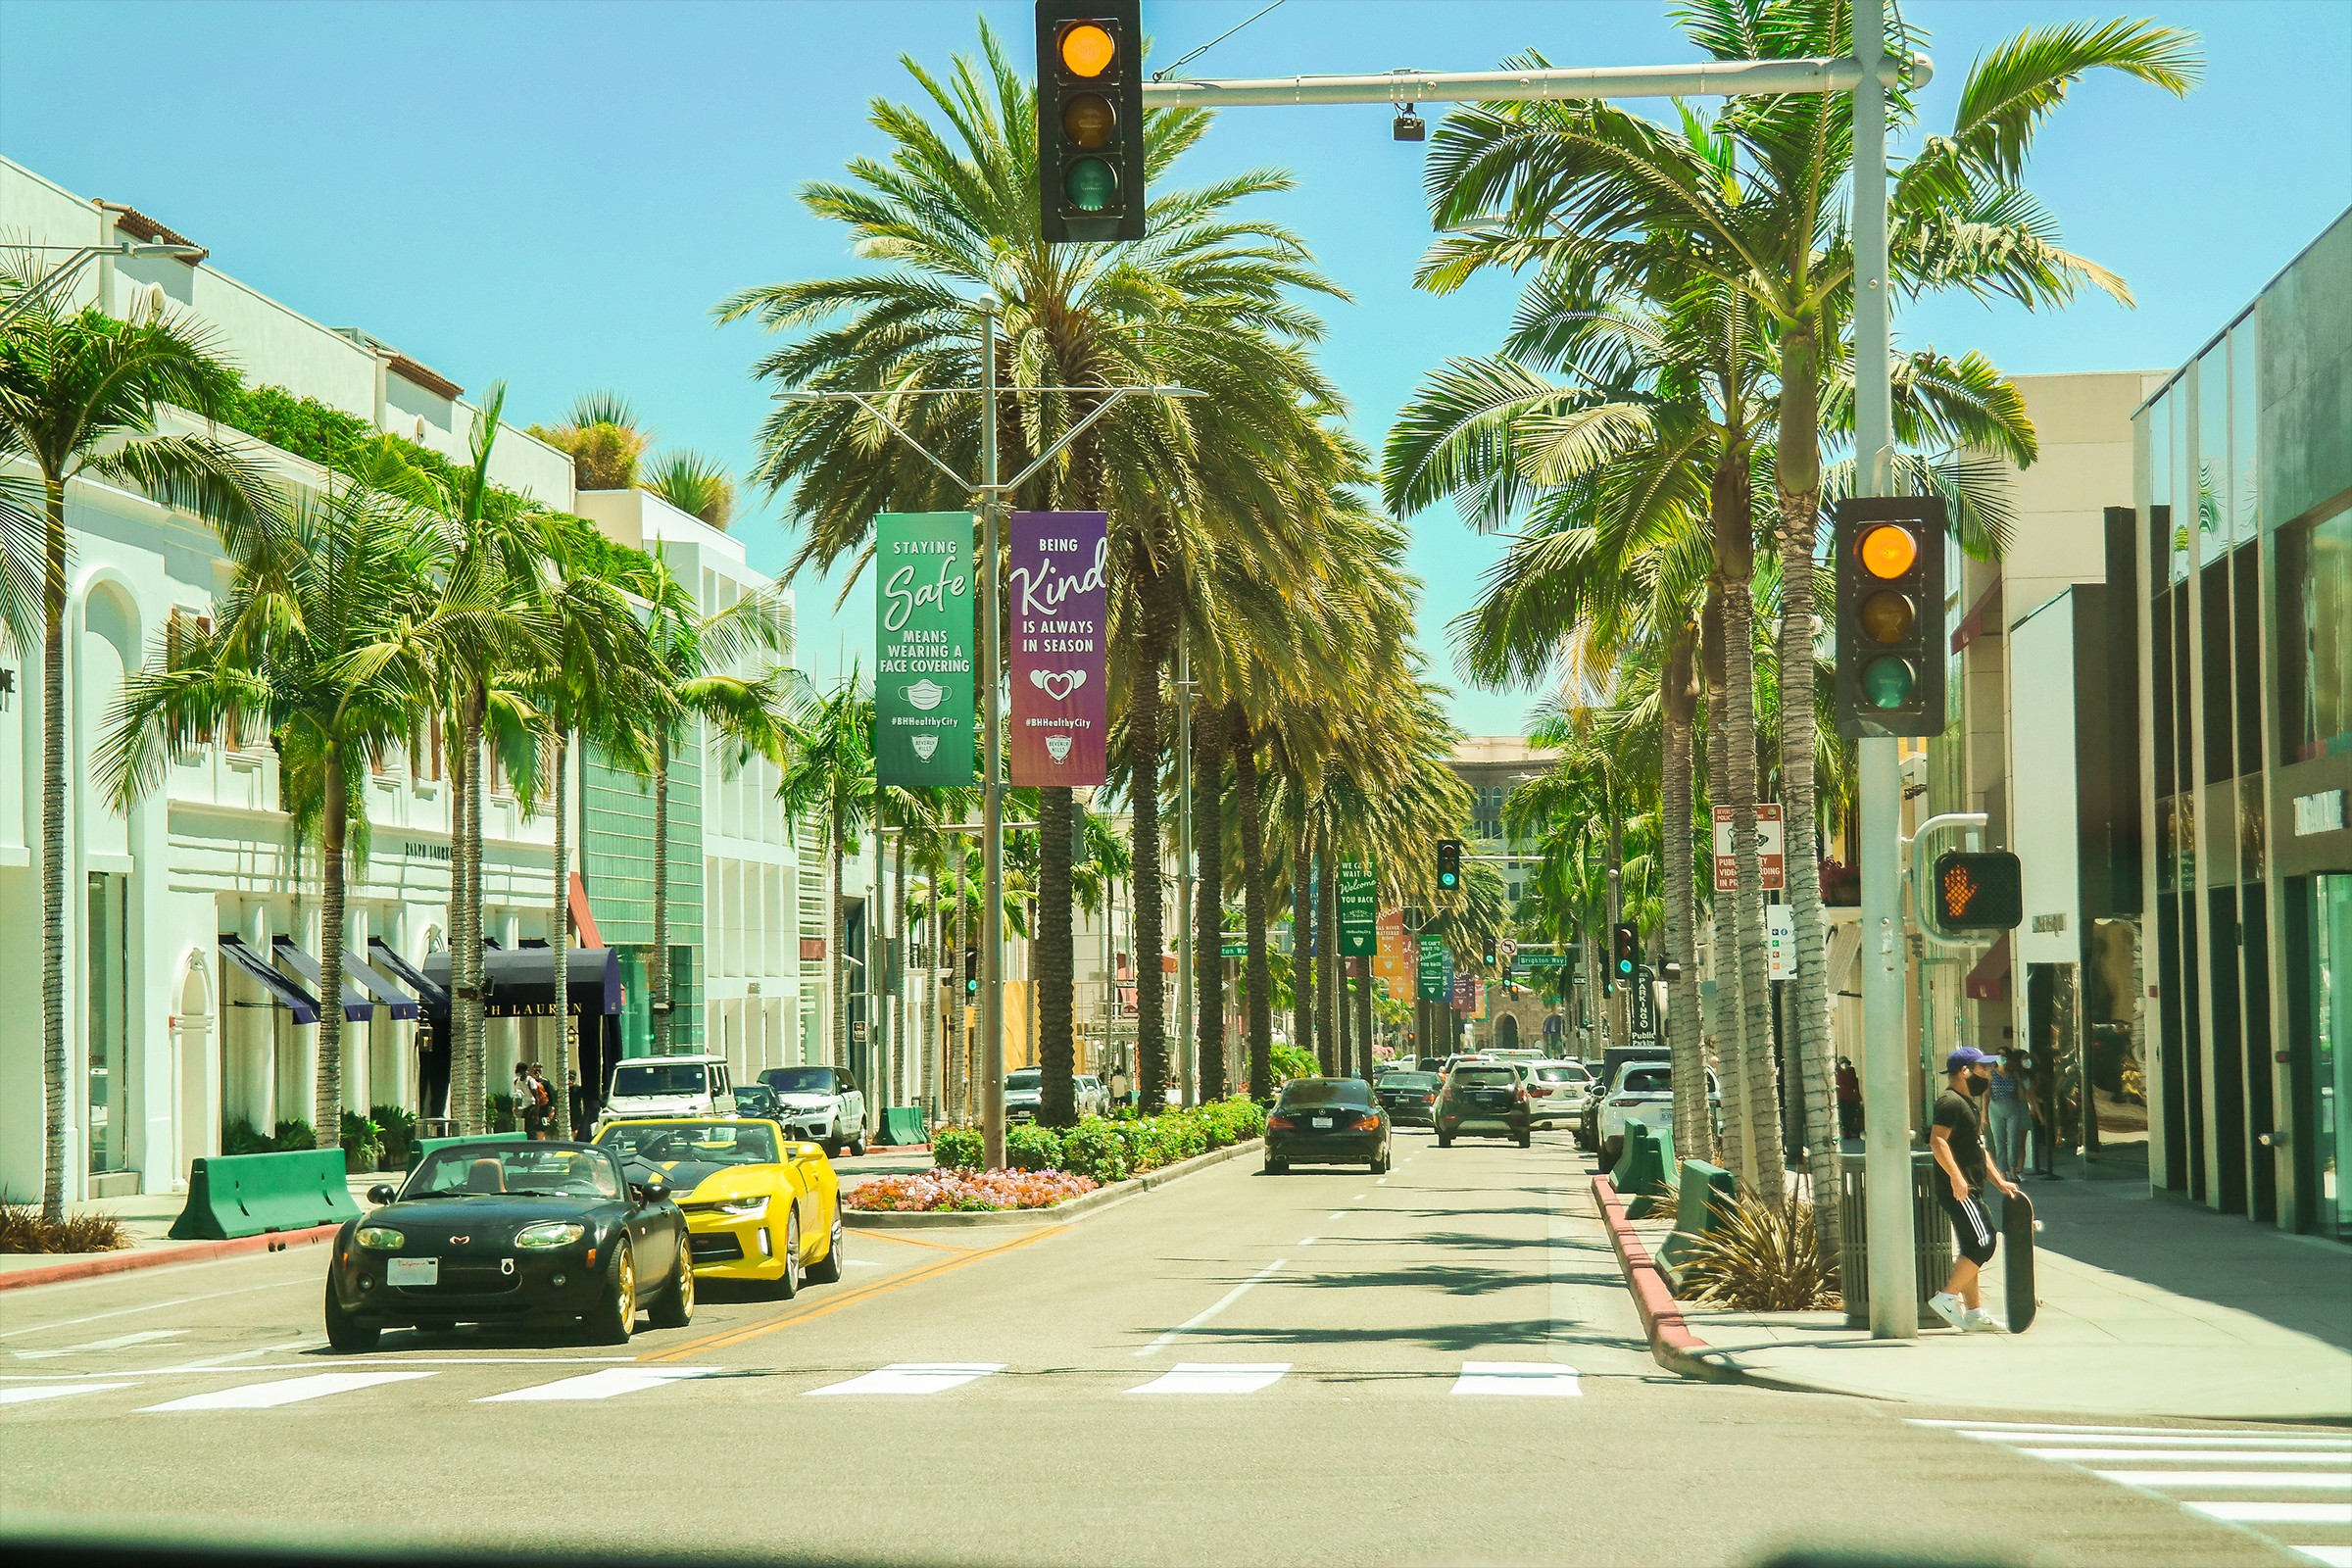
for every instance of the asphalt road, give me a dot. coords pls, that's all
(1324, 1367)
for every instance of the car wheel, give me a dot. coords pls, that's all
(675, 1309)
(827, 1270)
(1528, 1138)
(790, 1285)
(1445, 1140)
(615, 1316)
(858, 1147)
(1610, 1150)
(1278, 1167)
(347, 1334)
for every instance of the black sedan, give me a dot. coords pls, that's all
(1407, 1096)
(1326, 1121)
(493, 1231)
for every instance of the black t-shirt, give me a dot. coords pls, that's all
(1958, 1117)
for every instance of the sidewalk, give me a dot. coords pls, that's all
(147, 1218)
(2147, 1309)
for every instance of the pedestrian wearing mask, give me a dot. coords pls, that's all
(1959, 1149)
(2009, 1120)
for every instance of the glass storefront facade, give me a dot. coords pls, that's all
(2331, 1045)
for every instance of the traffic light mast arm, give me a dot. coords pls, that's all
(1719, 78)
(1922, 904)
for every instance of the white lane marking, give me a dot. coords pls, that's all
(861, 1262)
(2273, 1513)
(1986, 1428)
(288, 1391)
(2230, 1440)
(55, 1391)
(349, 1360)
(1383, 1181)
(1517, 1377)
(1223, 1301)
(120, 1341)
(1204, 1377)
(604, 1384)
(1359, 1197)
(177, 1300)
(2186, 1455)
(1341, 1214)
(2171, 1479)
(914, 1377)
(2331, 1556)
(1309, 1241)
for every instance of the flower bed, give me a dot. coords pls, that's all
(1111, 1149)
(968, 1191)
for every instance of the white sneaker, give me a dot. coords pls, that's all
(1976, 1320)
(1950, 1308)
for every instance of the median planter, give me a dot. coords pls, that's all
(1101, 1197)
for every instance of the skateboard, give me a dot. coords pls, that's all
(2017, 1258)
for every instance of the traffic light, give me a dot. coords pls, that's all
(1889, 585)
(971, 971)
(1625, 954)
(1089, 120)
(1979, 890)
(1488, 952)
(1450, 865)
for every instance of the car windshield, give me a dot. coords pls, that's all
(1302, 1092)
(699, 1142)
(1409, 1080)
(516, 1170)
(1485, 1077)
(1026, 1078)
(1648, 1081)
(635, 1079)
(798, 1080)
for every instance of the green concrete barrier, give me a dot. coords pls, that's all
(234, 1196)
(1708, 1194)
(904, 1124)
(1641, 1168)
(426, 1146)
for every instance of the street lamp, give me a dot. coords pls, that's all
(56, 277)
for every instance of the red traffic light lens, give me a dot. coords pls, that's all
(1088, 120)
(1888, 551)
(1887, 616)
(1087, 50)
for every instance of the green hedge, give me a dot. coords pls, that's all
(1113, 1148)
(957, 1149)
(1029, 1147)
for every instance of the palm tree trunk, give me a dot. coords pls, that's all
(1260, 995)
(558, 936)
(1055, 963)
(1679, 700)
(1728, 1024)
(1766, 1166)
(967, 942)
(54, 1067)
(837, 958)
(477, 1061)
(1208, 919)
(1333, 1052)
(326, 1093)
(661, 998)
(1302, 961)
(1144, 740)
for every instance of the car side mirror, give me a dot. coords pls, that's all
(655, 1192)
(381, 1193)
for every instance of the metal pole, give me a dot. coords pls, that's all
(1717, 78)
(992, 795)
(1188, 1033)
(1886, 1065)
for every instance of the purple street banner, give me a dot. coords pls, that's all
(1060, 603)
(924, 648)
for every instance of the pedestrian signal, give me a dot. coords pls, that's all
(1450, 865)
(1888, 575)
(1979, 890)
(1090, 121)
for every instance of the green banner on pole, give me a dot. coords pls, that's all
(1359, 911)
(924, 648)
(1436, 970)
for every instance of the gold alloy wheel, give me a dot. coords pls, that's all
(624, 1293)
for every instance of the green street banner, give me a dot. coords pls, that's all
(1437, 969)
(924, 648)
(1359, 911)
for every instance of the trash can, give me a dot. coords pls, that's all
(1931, 1235)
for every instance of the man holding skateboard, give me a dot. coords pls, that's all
(1959, 1145)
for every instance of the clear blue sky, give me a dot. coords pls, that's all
(556, 193)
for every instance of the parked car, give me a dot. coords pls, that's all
(1093, 1098)
(757, 1101)
(821, 1104)
(492, 1231)
(1616, 1056)
(667, 1086)
(1326, 1121)
(1408, 1097)
(1484, 1099)
(1556, 1091)
(760, 1204)
(1023, 1088)
(1644, 1091)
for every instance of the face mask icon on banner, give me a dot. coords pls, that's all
(1057, 746)
(1067, 680)
(925, 745)
(926, 694)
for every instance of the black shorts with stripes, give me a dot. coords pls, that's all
(1972, 1228)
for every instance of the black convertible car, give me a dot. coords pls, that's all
(504, 1232)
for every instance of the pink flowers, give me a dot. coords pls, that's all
(968, 1190)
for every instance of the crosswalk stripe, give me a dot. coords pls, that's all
(2331, 1556)
(605, 1384)
(54, 1391)
(1517, 1377)
(2215, 1439)
(914, 1377)
(2189, 1455)
(1995, 1427)
(1205, 1377)
(121, 1342)
(2273, 1513)
(2165, 1480)
(285, 1390)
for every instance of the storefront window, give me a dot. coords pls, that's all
(2245, 488)
(2331, 1015)
(2315, 579)
(2213, 453)
(105, 1116)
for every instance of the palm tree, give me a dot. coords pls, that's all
(602, 437)
(79, 393)
(696, 484)
(829, 776)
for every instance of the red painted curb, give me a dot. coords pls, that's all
(83, 1268)
(1670, 1343)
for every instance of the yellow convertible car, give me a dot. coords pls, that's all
(759, 1205)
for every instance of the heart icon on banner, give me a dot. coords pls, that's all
(1045, 680)
(925, 745)
(1057, 746)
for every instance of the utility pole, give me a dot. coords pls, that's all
(1187, 1031)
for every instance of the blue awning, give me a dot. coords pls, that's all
(434, 997)
(256, 965)
(521, 983)
(357, 1008)
(379, 985)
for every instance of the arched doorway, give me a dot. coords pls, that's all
(1506, 1033)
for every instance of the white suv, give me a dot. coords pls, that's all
(1557, 1091)
(1644, 1091)
(668, 1086)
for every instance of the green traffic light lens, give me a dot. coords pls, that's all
(1889, 682)
(1090, 184)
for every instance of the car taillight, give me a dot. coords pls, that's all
(1521, 1096)
(1539, 1090)
(1429, 1100)
(1368, 1124)
(1282, 1124)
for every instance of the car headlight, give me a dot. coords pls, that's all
(380, 1239)
(744, 1208)
(550, 1233)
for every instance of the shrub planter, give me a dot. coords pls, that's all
(1100, 1197)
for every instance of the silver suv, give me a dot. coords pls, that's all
(1557, 1091)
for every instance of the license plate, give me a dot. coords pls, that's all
(1318, 1121)
(413, 1271)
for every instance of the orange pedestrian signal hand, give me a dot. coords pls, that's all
(1959, 892)
(1979, 890)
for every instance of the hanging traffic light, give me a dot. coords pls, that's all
(1625, 954)
(1450, 865)
(1979, 890)
(1090, 121)
(1889, 566)
(1487, 952)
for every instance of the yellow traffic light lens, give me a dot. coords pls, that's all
(1888, 551)
(1887, 616)
(1889, 682)
(1088, 120)
(1090, 184)
(1087, 50)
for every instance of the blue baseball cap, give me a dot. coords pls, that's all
(1966, 1057)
